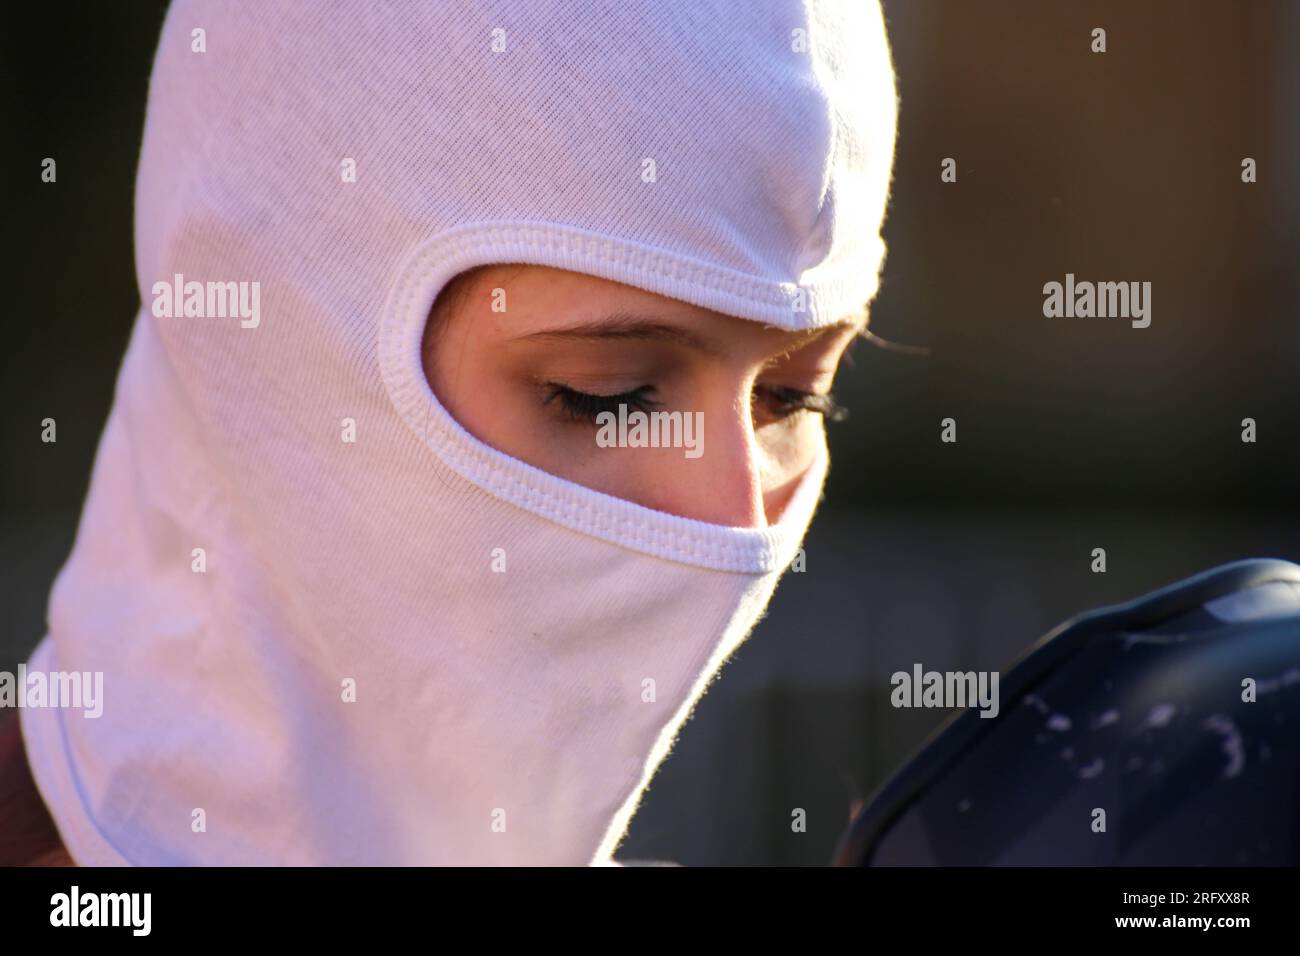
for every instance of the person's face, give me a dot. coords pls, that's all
(530, 381)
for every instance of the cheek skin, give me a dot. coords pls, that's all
(787, 456)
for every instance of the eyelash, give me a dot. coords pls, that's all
(792, 400)
(584, 407)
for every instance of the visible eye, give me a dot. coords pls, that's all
(584, 407)
(782, 402)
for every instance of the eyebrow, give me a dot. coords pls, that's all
(628, 325)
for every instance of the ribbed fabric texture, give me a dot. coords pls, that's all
(500, 717)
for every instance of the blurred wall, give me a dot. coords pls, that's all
(1072, 433)
(75, 77)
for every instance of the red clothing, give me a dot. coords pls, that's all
(28, 836)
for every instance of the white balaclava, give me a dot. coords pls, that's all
(409, 647)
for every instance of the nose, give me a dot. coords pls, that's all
(725, 484)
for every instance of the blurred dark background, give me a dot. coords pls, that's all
(1073, 434)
